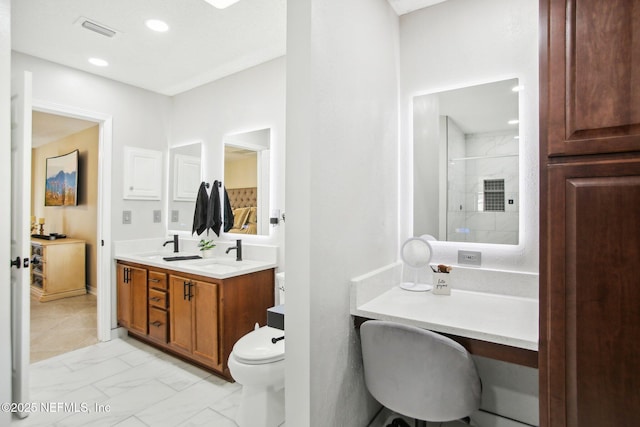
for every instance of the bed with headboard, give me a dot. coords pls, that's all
(244, 203)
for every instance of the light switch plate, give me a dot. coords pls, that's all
(126, 217)
(470, 258)
(157, 216)
(175, 216)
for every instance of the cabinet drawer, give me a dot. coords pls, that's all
(158, 324)
(157, 280)
(157, 299)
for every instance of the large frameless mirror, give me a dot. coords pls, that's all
(246, 180)
(466, 164)
(185, 176)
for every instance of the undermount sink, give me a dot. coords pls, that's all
(153, 255)
(192, 262)
(210, 262)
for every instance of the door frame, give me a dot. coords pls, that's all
(103, 261)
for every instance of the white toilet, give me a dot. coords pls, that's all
(257, 363)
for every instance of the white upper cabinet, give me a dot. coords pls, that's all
(142, 174)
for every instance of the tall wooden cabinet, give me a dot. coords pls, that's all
(589, 355)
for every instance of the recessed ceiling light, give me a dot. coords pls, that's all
(98, 62)
(221, 4)
(157, 25)
(513, 122)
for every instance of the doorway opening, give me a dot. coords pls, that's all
(64, 192)
(76, 321)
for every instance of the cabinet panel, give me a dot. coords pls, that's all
(139, 303)
(205, 321)
(132, 297)
(591, 295)
(181, 308)
(157, 280)
(142, 176)
(157, 298)
(158, 324)
(590, 78)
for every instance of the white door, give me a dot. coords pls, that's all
(20, 234)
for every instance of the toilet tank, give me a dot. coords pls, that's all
(280, 285)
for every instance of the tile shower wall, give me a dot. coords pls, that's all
(480, 157)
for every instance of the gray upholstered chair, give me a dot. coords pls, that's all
(418, 373)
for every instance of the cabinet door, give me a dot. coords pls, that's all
(132, 298)
(139, 303)
(205, 321)
(590, 295)
(142, 174)
(589, 76)
(180, 315)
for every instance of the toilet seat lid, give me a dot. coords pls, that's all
(257, 348)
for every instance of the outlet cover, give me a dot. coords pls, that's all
(126, 217)
(157, 216)
(175, 216)
(470, 258)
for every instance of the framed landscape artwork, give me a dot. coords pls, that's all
(61, 187)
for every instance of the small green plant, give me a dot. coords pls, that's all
(205, 245)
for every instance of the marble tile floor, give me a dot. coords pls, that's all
(62, 325)
(126, 383)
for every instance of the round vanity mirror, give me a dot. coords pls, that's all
(416, 254)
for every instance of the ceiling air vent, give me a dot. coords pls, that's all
(97, 28)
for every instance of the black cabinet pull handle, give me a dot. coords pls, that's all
(157, 323)
(155, 298)
(154, 280)
(190, 288)
(184, 290)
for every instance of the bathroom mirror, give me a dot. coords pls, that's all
(185, 176)
(246, 179)
(466, 164)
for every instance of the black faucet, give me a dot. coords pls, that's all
(174, 241)
(238, 248)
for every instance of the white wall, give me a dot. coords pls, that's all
(459, 43)
(342, 180)
(140, 119)
(249, 100)
(5, 208)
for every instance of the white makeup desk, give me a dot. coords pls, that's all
(500, 327)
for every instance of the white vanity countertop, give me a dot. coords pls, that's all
(500, 319)
(217, 268)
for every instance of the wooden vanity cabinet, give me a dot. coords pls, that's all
(195, 317)
(132, 297)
